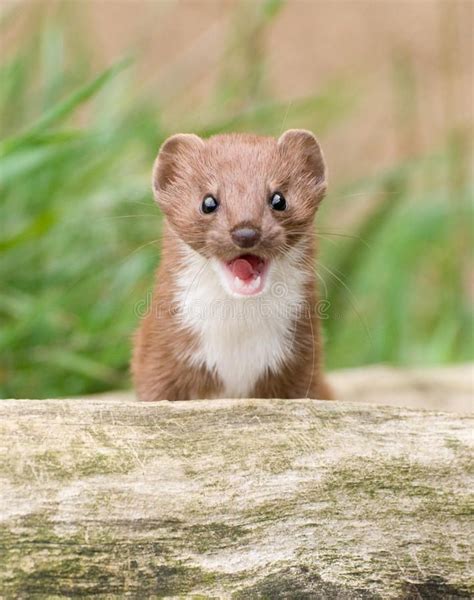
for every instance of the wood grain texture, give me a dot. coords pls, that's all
(234, 498)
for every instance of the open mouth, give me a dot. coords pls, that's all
(246, 274)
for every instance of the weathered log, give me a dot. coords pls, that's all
(249, 499)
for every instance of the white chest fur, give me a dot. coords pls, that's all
(241, 338)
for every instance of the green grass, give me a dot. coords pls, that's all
(78, 221)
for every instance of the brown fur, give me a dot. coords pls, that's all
(242, 171)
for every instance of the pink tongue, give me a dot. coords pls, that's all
(242, 268)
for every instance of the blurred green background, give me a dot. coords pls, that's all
(89, 90)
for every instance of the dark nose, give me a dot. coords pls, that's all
(245, 237)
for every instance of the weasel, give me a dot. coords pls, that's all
(234, 309)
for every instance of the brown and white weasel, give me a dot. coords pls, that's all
(234, 311)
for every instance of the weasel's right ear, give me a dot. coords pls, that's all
(174, 158)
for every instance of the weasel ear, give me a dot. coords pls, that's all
(174, 157)
(302, 146)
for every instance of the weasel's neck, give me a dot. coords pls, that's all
(242, 339)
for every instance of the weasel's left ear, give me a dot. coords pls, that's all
(301, 149)
(173, 159)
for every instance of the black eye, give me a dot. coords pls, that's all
(278, 201)
(209, 204)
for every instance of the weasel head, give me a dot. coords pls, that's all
(241, 200)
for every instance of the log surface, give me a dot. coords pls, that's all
(234, 498)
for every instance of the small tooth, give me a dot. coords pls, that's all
(256, 283)
(239, 284)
